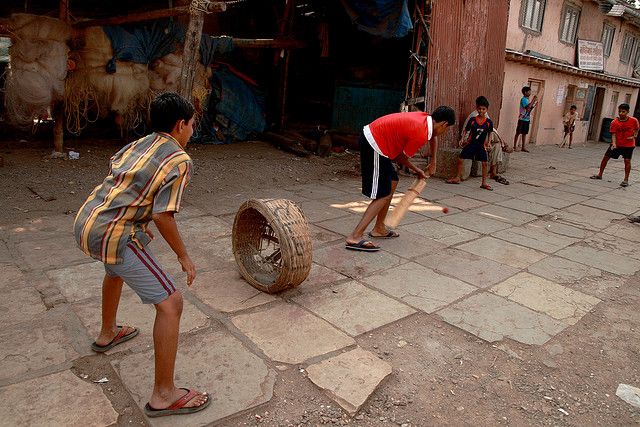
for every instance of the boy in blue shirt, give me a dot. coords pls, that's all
(478, 132)
(524, 118)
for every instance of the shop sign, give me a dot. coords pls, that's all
(590, 55)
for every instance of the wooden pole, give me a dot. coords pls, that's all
(190, 52)
(58, 106)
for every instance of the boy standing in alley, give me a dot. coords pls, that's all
(569, 122)
(146, 182)
(392, 138)
(624, 130)
(475, 142)
(524, 118)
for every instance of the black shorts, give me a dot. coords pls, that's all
(523, 127)
(569, 129)
(378, 172)
(625, 152)
(474, 151)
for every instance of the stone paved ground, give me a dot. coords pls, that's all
(519, 267)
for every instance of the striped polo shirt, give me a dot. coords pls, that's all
(147, 176)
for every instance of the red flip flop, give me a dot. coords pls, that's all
(118, 339)
(177, 407)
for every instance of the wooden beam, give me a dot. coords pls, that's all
(214, 7)
(58, 106)
(190, 52)
(268, 44)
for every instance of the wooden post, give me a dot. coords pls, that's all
(191, 52)
(58, 106)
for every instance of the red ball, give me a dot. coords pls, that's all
(445, 210)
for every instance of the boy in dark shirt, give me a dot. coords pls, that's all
(476, 144)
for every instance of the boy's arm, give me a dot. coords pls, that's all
(166, 224)
(613, 141)
(433, 149)
(403, 160)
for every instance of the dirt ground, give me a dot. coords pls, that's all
(442, 375)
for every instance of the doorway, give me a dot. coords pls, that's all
(595, 118)
(537, 89)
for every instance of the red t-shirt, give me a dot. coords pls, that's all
(624, 130)
(398, 133)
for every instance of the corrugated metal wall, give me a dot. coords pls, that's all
(466, 58)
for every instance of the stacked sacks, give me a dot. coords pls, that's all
(164, 76)
(93, 92)
(38, 66)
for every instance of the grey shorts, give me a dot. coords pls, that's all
(144, 274)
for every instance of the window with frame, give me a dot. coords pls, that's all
(628, 44)
(608, 32)
(627, 98)
(569, 24)
(533, 14)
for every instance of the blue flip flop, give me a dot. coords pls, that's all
(362, 246)
(390, 235)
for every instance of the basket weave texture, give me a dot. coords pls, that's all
(272, 244)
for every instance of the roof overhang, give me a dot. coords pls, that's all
(549, 64)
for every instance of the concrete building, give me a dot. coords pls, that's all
(543, 39)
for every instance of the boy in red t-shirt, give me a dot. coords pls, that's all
(624, 130)
(392, 138)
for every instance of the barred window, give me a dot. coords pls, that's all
(569, 24)
(628, 45)
(533, 14)
(608, 32)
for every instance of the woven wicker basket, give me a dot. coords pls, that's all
(272, 244)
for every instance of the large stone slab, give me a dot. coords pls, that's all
(354, 308)
(20, 304)
(60, 399)
(587, 217)
(462, 202)
(319, 276)
(290, 334)
(607, 261)
(503, 252)
(320, 237)
(500, 213)
(79, 282)
(473, 269)
(211, 361)
(527, 206)
(41, 228)
(410, 245)
(12, 277)
(562, 270)
(51, 253)
(203, 228)
(558, 194)
(40, 344)
(614, 244)
(561, 303)
(476, 222)
(624, 230)
(493, 318)
(561, 229)
(227, 291)
(550, 201)
(355, 264)
(419, 286)
(535, 236)
(317, 211)
(134, 313)
(316, 191)
(343, 226)
(608, 205)
(350, 378)
(446, 234)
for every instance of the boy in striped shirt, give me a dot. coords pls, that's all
(146, 182)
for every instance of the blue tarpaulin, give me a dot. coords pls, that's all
(386, 18)
(143, 43)
(235, 110)
(212, 46)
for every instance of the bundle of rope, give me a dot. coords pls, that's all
(38, 66)
(92, 92)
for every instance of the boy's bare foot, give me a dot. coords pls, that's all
(183, 401)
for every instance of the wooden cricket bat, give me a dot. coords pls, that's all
(396, 215)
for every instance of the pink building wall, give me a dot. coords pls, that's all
(548, 119)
